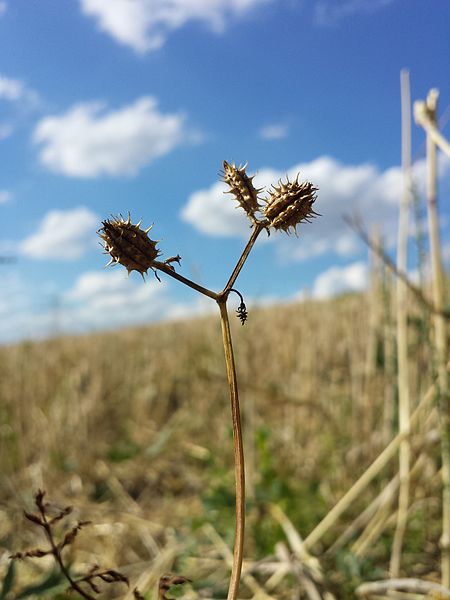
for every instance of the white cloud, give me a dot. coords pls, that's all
(343, 190)
(97, 300)
(5, 196)
(214, 213)
(86, 141)
(276, 131)
(336, 280)
(15, 90)
(11, 89)
(3, 8)
(144, 25)
(109, 299)
(329, 12)
(62, 235)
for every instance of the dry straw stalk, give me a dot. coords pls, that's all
(369, 474)
(440, 337)
(402, 331)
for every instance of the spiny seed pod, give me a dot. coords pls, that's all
(128, 244)
(241, 186)
(290, 204)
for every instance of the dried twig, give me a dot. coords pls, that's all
(47, 523)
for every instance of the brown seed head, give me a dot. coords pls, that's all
(290, 204)
(241, 186)
(128, 244)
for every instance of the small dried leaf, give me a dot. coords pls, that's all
(38, 553)
(35, 553)
(66, 511)
(92, 570)
(110, 576)
(34, 518)
(93, 586)
(83, 524)
(39, 500)
(172, 259)
(72, 534)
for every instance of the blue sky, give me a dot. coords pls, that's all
(110, 106)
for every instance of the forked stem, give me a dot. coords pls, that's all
(238, 453)
(257, 228)
(221, 299)
(286, 206)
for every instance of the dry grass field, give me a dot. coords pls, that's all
(132, 428)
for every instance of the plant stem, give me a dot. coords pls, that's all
(238, 445)
(402, 334)
(195, 286)
(58, 558)
(238, 452)
(257, 228)
(441, 349)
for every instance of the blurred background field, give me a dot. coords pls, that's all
(133, 429)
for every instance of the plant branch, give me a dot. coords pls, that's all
(58, 558)
(257, 228)
(168, 270)
(56, 551)
(195, 286)
(42, 520)
(238, 452)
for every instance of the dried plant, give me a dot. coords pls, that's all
(284, 208)
(48, 523)
(168, 580)
(441, 335)
(290, 204)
